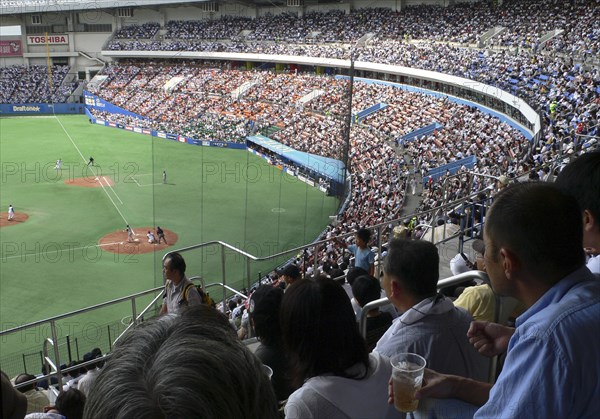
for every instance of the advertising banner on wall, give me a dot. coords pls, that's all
(50, 39)
(11, 48)
(41, 108)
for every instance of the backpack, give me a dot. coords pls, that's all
(203, 295)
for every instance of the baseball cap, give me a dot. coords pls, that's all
(265, 303)
(458, 265)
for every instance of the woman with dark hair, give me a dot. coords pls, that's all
(263, 310)
(337, 376)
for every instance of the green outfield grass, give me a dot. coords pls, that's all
(51, 264)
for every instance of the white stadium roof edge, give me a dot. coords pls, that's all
(44, 6)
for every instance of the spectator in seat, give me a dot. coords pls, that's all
(70, 404)
(290, 274)
(533, 235)
(14, 404)
(336, 375)
(581, 179)
(187, 366)
(263, 309)
(430, 325)
(36, 400)
(92, 371)
(479, 300)
(365, 290)
(74, 376)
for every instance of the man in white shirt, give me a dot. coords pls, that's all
(93, 371)
(430, 325)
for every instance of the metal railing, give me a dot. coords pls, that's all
(52, 341)
(383, 231)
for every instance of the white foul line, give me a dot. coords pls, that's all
(111, 188)
(135, 180)
(92, 169)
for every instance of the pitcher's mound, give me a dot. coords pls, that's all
(91, 181)
(116, 242)
(20, 218)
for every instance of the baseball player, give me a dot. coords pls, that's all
(11, 213)
(130, 234)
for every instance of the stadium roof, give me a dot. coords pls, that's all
(43, 6)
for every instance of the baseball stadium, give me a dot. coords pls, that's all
(292, 146)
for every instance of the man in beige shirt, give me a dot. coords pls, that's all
(179, 291)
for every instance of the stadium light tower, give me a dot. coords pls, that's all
(348, 122)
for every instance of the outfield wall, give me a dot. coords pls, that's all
(13, 109)
(165, 135)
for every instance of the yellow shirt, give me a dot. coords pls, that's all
(479, 300)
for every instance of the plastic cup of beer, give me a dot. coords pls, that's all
(407, 377)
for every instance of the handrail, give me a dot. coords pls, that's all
(380, 228)
(318, 243)
(79, 311)
(56, 363)
(141, 315)
(236, 292)
(56, 370)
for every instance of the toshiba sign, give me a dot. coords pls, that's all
(50, 39)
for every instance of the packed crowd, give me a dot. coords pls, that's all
(526, 22)
(47, 397)
(540, 79)
(307, 113)
(35, 84)
(143, 31)
(224, 28)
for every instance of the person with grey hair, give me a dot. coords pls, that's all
(13, 404)
(189, 365)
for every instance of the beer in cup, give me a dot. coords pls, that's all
(407, 377)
